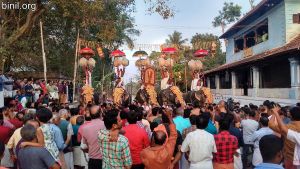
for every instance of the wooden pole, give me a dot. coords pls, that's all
(185, 76)
(103, 71)
(43, 51)
(75, 65)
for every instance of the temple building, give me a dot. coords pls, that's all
(262, 56)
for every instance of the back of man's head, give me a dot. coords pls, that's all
(132, 117)
(44, 115)
(27, 117)
(74, 111)
(202, 122)
(79, 120)
(225, 123)
(95, 112)
(139, 115)
(270, 147)
(193, 119)
(252, 113)
(63, 113)
(111, 118)
(267, 103)
(264, 121)
(155, 111)
(186, 113)
(28, 132)
(295, 113)
(196, 104)
(159, 137)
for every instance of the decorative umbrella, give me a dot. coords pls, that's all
(140, 53)
(169, 50)
(201, 53)
(87, 52)
(87, 63)
(117, 53)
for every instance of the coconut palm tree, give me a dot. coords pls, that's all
(176, 40)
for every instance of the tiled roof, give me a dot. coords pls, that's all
(292, 45)
(258, 11)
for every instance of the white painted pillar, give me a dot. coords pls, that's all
(217, 81)
(295, 78)
(208, 82)
(256, 78)
(233, 83)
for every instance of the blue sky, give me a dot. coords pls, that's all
(192, 16)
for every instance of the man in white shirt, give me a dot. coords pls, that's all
(200, 145)
(249, 127)
(257, 135)
(290, 134)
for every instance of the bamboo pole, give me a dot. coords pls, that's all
(103, 71)
(185, 76)
(43, 51)
(75, 65)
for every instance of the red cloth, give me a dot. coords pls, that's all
(227, 145)
(138, 140)
(16, 122)
(124, 122)
(5, 134)
(44, 88)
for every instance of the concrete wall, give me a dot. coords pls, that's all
(279, 95)
(246, 100)
(239, 92)
(277, 34)
(282, 93)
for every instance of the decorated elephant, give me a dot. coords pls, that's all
(195, 96)
(121, 97)
(203, 95)
(166, 97)
(147, 95)
(171, 95)
(142, 96)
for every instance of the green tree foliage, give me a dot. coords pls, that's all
(229, 14)
(198, 41)
(205, 41)
(176, 40)
(107, 22)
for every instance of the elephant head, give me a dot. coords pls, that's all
(166, 96)
(142, 96)
(195, 96)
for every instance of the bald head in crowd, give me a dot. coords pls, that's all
(95, 112)
(159, 137)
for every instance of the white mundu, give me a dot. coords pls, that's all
(194, 85)
(164, 82)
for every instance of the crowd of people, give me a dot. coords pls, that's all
(30, 91)
(54, 134)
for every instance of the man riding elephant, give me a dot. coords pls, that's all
(198, 91)
(120, 96)
(147, 93)
(171, 95)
